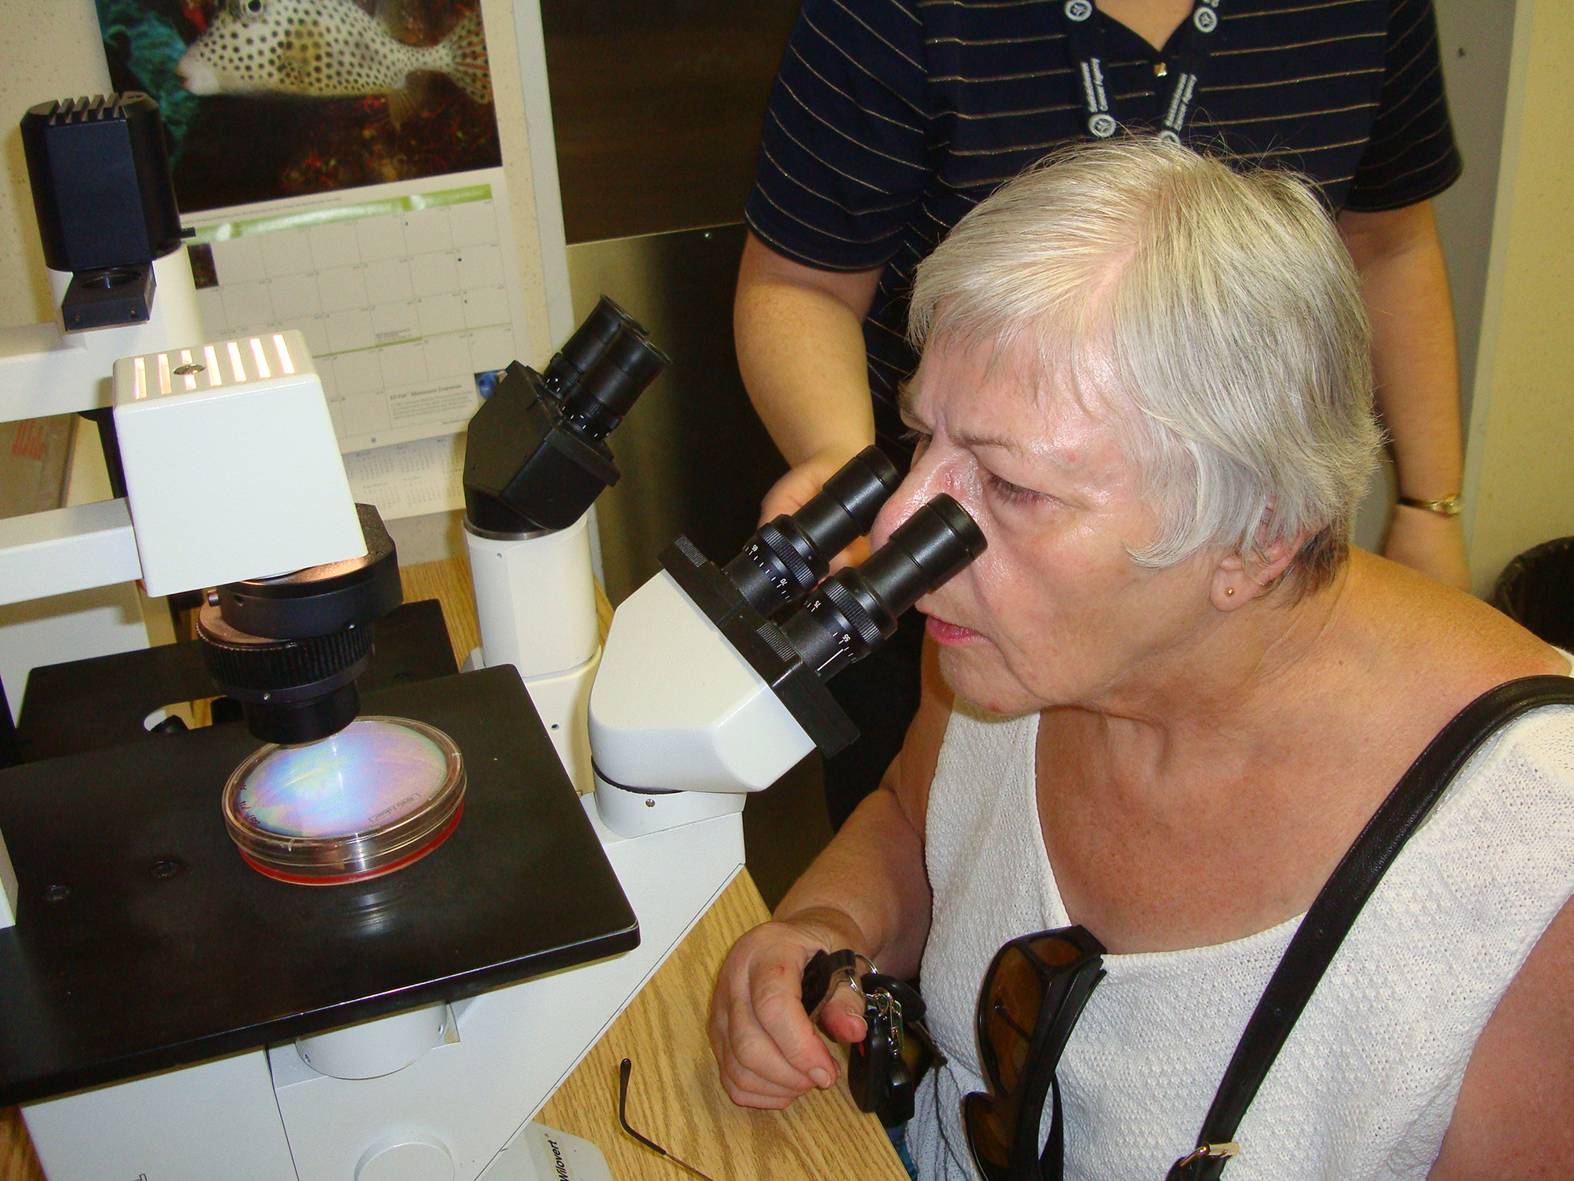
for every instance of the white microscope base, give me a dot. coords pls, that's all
(247, 1116)
(562, 700)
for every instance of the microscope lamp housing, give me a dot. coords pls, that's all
(232, 469)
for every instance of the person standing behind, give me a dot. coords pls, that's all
(890, 119)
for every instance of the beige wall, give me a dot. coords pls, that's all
(51, 49)
(1520, 464)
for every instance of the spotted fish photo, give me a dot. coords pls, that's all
(283, 98)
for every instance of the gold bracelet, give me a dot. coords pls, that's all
(1448, 506)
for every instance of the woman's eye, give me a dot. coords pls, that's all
(916, 439)
(1012, 493)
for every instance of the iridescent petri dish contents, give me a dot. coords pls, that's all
(377, 796)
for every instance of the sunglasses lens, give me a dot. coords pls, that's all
(1050, 969)
(1056, 950)
(988, 1135)
(1015, 996)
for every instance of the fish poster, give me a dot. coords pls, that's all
(273, 99)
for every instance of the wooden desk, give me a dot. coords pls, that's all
(17, 1162)
(449, 583)
(675, 1097)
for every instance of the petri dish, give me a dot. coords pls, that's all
(377, 796)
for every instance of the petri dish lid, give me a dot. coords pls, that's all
(375, 797)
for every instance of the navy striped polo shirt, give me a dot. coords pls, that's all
(890, 119)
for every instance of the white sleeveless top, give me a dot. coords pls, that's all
(1366, 1084)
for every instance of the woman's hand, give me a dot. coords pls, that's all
(766, 1046)
(867, 892)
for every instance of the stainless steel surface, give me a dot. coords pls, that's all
(656, 108)
(656, 111)
(694, 457)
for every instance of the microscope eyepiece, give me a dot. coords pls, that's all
(581, 349)
(855, 610)
(602, 369)
(787, 556)
(696, 612)
(605, 391)
(536, 455)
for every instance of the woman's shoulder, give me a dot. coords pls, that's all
(1448, 646)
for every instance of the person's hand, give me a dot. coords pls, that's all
(798, 487)
(1429, 542)
(766, 1047)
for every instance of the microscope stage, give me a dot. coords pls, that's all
(145, 942)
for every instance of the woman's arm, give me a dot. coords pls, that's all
(867, 891)
(1514, 1120)
(1413, 352)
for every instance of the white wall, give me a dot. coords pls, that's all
(1519, 472)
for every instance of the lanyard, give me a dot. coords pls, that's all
(1185, 66)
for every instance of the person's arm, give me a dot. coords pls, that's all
(1413, 352)
(799, 336)
(1514, 1119)
(868, 891)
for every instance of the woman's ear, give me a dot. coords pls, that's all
(1241, 577)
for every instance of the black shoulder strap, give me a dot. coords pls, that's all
(1333, 912)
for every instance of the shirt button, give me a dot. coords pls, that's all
(1160, 69)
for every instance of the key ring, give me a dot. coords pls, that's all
(821, 972)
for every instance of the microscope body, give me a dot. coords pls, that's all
(536, 458)
(110, 238)
(218, 462)
(535, 597)
(697, 746)
(713, 683)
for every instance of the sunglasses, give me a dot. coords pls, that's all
(1032, 996)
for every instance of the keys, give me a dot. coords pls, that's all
(882, 1070)
(825, 972)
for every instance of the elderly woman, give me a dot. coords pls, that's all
(1176, 695)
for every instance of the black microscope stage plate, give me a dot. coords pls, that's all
(145, 942)
(103, 701)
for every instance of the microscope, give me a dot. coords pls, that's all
(536, 458)
(392, 985)
(121, 287)
(714, 680)
(193, 506)
(222, 455)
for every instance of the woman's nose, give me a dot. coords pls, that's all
(915, 490)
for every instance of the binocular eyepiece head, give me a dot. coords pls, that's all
(856, 609)
(536, 455)
(789, 555)
(602, 368)
(851, 613)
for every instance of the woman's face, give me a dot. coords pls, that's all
(1055, 611)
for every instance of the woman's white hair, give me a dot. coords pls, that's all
(1228, 312)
